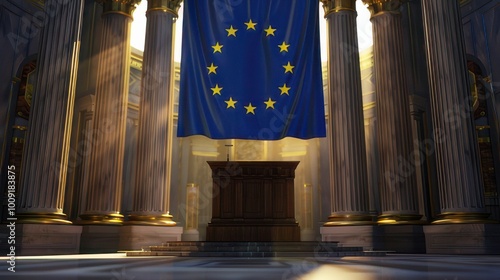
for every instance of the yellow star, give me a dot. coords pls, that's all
(288, 68)
(217, 48)
(216, 89)
(231, 31)
(269, 31)
(284, 89)
(211, 69)
(283, 47)
(230, 103)
(269, 103)
(250, 108)
(250, 25)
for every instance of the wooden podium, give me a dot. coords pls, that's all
(253, 201)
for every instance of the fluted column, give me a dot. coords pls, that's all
(45, 157)
(459, 178)
(348, 171)
(398, 189)
(152, 187)
(106, 163)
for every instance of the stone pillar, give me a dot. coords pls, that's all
(398, 190)
(106, 162)
(45, 157)
(348, 170)
(152, 187)
(459, 178)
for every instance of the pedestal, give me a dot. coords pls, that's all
(40, 239)
(368, 237)
(141, 237)
(407, 239)
(99, 239)
(462, 239)
(253, 201)
(191, 235)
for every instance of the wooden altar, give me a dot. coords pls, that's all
(253, 201)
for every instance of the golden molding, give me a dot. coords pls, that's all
(150, 220)
(463, 218)
(123, 7)
(335, 6)
(101, 219)
(168, 6)
(380, 6)
(349, 220)
(42, 218)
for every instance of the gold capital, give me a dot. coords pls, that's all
(123, 7)
(335, 6)
(167, 6)
(379, 6)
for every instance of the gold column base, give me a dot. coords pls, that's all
(101, 219)
(150, 220)
(349, 220)
(400, 219)
(43, 218)
(463, 218)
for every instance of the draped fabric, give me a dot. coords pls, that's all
(251, 69)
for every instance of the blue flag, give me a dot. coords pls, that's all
(251, 69)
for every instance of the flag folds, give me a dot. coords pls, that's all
(251, 69)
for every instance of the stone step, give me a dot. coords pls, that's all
(234, 243)
(249, 254)
(250, 246)
(253, 249)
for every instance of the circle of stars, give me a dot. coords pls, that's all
(218, 48)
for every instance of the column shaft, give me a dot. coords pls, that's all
(152, 188)
(348, 166)
(103, 201)
(459, 178)
(45, 157)
(398, 189)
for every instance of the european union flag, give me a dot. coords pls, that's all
(251, 69)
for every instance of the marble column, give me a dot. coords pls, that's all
(45, 157)
(459, 178)
(150, 204)
(106, 162)
(348, 167)
(397, 179)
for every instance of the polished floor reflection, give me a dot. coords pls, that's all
(118, 267)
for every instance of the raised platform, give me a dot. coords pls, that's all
(254, 249)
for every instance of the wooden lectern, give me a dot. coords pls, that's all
(253, 201)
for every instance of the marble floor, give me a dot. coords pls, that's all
(118, 266)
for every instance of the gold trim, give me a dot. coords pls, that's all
(20, 127)
(122, 7)
(400, 219)
(18, 140)
(463, 218)
(15, 80)
(484, 140)
(463, 2)
(168, 6)
(43, 218)
(100, 219)
(335, 6)
(378, 7)
(482, 127)
(349, 220)
(39, 3)
(149, 220)
(133, 106)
